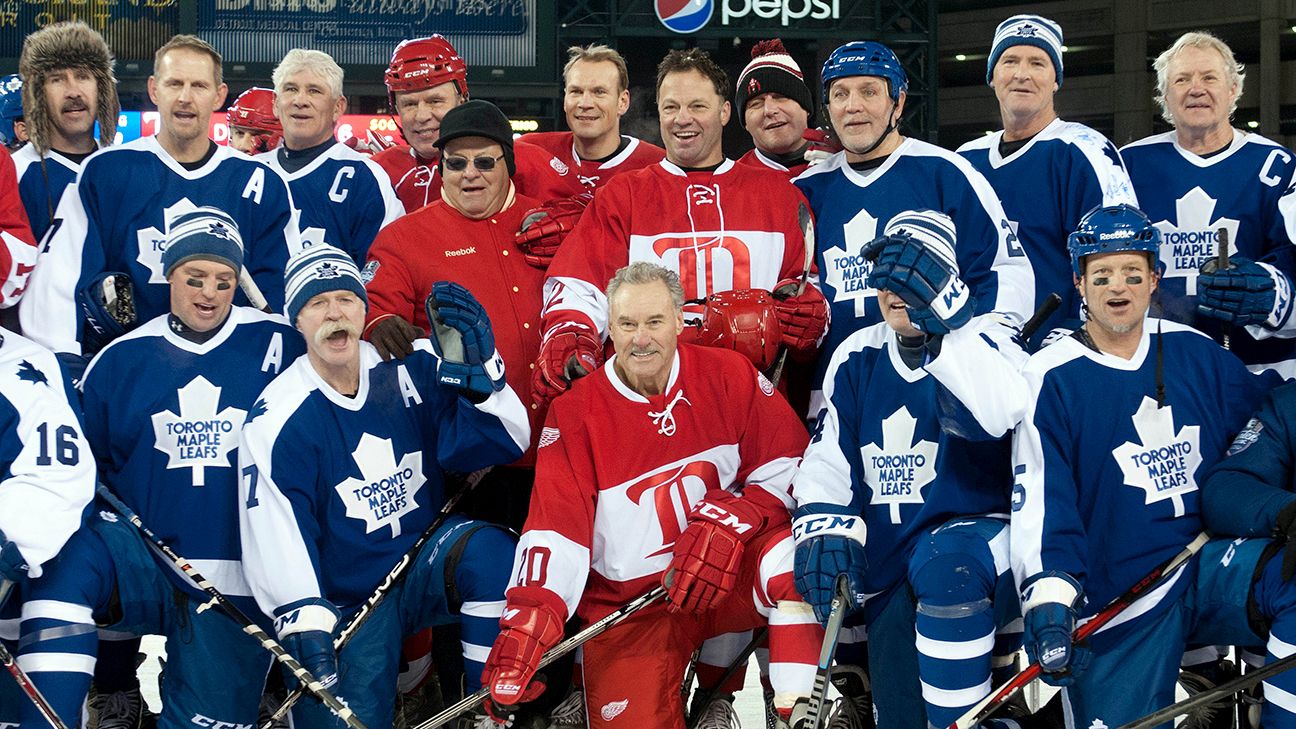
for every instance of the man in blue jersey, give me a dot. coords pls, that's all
(116, 215)
(1206, 178)
(164, 408)
(342, 464)
(1126, 415)
(344, 198)
(1047, 172)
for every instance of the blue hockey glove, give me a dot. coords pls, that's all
(1244, 293)
(925, 275)
(1049, 622)
(828, 545)
(108, 311)
(13, 567)
(314, 650)
(464, 344)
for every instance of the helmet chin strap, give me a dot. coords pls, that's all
(892, 123)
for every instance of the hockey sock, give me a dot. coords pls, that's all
(714, 659)
(955, 634)
(795, 638)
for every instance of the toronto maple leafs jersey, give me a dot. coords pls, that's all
(47, 472)
(42, 188)
(115, 218)
(335, 489)
(1046, 186)
(1247, 189)
(163, 416)
(343, 199)
(1106, 481)
(851, 208)
(880, 450)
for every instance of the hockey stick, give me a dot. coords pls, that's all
(1213, 694)
(806, 221)
(396, 574)
(832, 630)
(253, 292)
(705, 695)
(995, 699)
(310, 682)
(1222, 263)
(1041, 315)
(593, 630)
(24, 681)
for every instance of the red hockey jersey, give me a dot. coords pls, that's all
(618, 473)
(18, 254)
(417, 182)
(590, 173)
(756, 158)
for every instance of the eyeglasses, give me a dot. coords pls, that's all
(484, 163)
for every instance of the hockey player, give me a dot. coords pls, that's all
(721, 226)
(344, 198)
(164, 407)
(253, 126)
(672, 461)
(1206, 176)
(880, 173)
(126, 197)
(1125, 415)
(882, 475)
(13, 127)
(776, 107)
(342, 469)
(1047, 172)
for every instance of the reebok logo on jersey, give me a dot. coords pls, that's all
(613, 709)
(461, 252)
(548, 436)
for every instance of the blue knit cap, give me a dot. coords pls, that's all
(1027, 30)
(204, 233)
(315, 270)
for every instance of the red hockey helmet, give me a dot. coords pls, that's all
(744, 321)
(421, 63)
(254, 109)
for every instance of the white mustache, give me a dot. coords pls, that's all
(329, 328)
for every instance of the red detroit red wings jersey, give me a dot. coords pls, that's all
(756, 158)
(734, 228)
(618, 473)
(540, 175)
(593, 174)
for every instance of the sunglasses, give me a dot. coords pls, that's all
(484, 163)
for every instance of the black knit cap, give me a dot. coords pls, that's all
(772, 69)
(478, 118)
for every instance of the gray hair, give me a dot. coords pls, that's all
(317, 62)
(1202, 40)
(644, 272)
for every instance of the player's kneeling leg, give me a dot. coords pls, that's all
(795, 636)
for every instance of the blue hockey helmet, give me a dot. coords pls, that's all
(11, 108)
(1113, 229)
(865, 58)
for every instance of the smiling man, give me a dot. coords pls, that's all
(344, 198)
(1206, 176)
(776, 106)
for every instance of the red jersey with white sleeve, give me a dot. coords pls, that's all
(415, 179)
(617, 473)
(634, 154)
(18, 254)
(732, 228)
(540, 175)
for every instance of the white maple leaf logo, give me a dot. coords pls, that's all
(845, 268)
(386, 490)
(199, 437)
(900, 468)
(1190, 243)
(312, 236)
(1165, 465)
(152, 241)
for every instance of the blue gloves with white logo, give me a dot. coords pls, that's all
(314, 650)
(926, 278)
(13, 567)
(1049, 624)
(828, 545)
(463, 342)
(1244, 293)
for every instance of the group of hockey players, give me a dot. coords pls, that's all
(322, 417)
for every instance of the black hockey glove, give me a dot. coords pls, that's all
(107, 306)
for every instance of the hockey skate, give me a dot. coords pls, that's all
(854, 708)
(571, 712)
(117, 710)
(719, 713)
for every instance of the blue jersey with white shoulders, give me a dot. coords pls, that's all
(115, 217)
(852, 208)
(344, 199)
(1249, 190)
(335, 489)
(163, 415)
(1046, 186)
(1106, 481)
(910, 448)
(41, 188)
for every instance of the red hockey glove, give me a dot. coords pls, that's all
(709, 552)
(544, 228)
(531, 625)
(392, 336)
(822, 144)
(564, 357)
(802, 317)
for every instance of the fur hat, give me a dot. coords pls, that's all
(66, 45)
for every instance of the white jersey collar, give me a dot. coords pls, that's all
(866, 179)
(368, 360)
(609, 370)
(675, 169)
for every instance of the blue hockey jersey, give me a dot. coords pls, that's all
(115, 219)
(41, 189)
(335, 489)
(852, 208)
(1247, 189)
(343, 199)
(1063, 172)
(163, 416)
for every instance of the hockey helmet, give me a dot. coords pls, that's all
(254, 109)
(742, 320)
(11, 108)
(865, 58)
(422, 63)
(1113, 229)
